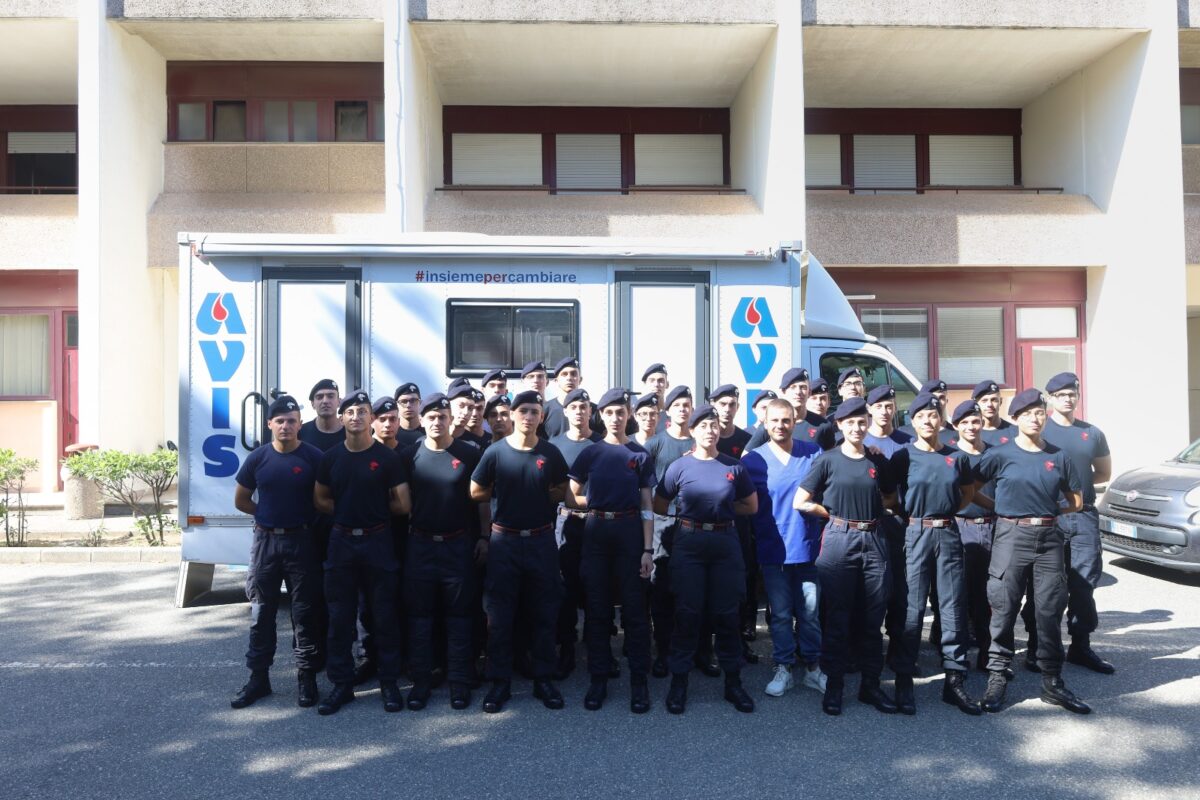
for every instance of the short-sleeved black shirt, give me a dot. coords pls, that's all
(309, 432)
(947, 435)
(407, 438)
(571, 448)
(361, 483)
(988, 488)
(614, 475)
(932, 482)
(521, 481)
(1003, 433)
(666, 449)
(1028, 484)
(704, 489)
(1083, 443)
(734, 445)
(440, 482)
(554, 420)
(851, 488)
(284, 482)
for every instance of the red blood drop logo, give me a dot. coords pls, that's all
(949, 461)
(729, 476)
(753, 317)
(1003, 440)
(1049, 466)
(1084, 435)
(812, 432)
(737, 450)
(374, 465)
(219, 312)
(632, 463)
(541, 462)
(455, 463)
(297, 470)
(871, 471)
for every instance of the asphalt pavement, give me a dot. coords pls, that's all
(107, 691)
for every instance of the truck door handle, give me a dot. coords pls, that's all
(258, 401)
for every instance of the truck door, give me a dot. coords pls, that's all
(663, 315)
(312, 329)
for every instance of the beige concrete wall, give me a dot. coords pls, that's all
(957, 14)
(1191, 168)
(38, 232)
(620, 11)
(728, 217)
(414, 133)
(42, 9)
(1191, 215)
(30, 427)
(260, 167)
(247, 9)
(945, 228)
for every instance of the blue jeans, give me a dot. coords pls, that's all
(794, 594)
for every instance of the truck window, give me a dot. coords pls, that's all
(483, 335)
(876, 372)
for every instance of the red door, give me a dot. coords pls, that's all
(69, 402)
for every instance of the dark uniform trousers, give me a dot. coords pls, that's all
(322, 528)
(365, 563)
(1085, 564)
(708, 578)
(662, 600)
(749, 609)
(1022, 554)
(612, 556)
(291, 559)
(856, 582)
(522, 573)
(931, 552)
(895, 619)
(365, 618)
(569, 554)
(439, 575)
(977, 554)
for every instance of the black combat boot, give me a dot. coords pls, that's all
(831, 703)
(258, 687)
(677, 694)
(306, 696)
(906, 701)
(993, 698)
(596, 693)
(339, 695)
(735, 693)
(497, 696)
(872, 694)
(1056, 693)
(954, 692)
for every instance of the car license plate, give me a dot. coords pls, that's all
(1123, 528)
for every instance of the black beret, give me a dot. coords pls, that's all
(528, 397)
(455, 391)
(532, 366)
(933, 385)
(575, 395)
(284, 404)
(653, 368)
(854, 407)
(355, 398)
(963, 410)
(407, 388)
(676, 393)
(1026, 399)
(1063, 380)
(818, 386)
(724, 390)
(922, 402)
(764, 395)
(476, 396)
(984, 387)
(563, 363)
(647, 400)
(324, 383)
(881, 393)
(702, 412)
(494, 375)
(615, 397)
(494, 401)
(847, 374)
(383, 405)
(457, 382)
(793, 375)
(435, 402)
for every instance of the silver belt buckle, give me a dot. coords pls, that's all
(278, 530)
(938, 523)
(438, 538)
(708, 526)
(609, 514)
(862, 526)
(525, 534)
(357, 531)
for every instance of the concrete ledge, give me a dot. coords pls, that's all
(246, 9)
(89, 555)
(39, 9)
(957, 14)
(596, 11)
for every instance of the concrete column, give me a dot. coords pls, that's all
(396, 109)
(122, 126)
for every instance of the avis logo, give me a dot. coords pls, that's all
(222, 358)
(752, 320)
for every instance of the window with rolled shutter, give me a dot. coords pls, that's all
(20, 143)
(497, 159)
(587, 161)
(686, 159)
(971, 160)
(822, 159)
(885, 161)
(970, 344)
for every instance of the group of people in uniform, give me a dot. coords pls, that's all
(480, 521)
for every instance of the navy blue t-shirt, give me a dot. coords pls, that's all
(554, 418)
(361, 483)
(704, 489)
(850, 488)
(1003, 433)
(974, 510)
(888, 445)
(1028, 484)
(310, 433)
(947, 435)
(284, 482)
(1083, 443)
(440, 482)
(571, 448)
(666, 450)
(734, 445)
(520, 481)
(406, 438)
(932, 482)
(614, 475)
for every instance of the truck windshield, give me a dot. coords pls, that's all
(1191, 455)
(876, 372)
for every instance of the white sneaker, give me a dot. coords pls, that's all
(781, 682)
(814, 679)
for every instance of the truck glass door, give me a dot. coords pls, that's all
(662, 316)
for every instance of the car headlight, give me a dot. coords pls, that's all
(1192, 498)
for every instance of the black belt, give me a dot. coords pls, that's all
(383, 526)
(629, 512)
(522, 532)
(856, 524)
(281, 531)
(1032, 522)
(438, 536)
(692, 524)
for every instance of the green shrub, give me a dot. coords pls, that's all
(14, 470)
(122, 475)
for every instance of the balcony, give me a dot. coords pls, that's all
(266, 188)
(39, 9)
(647, 11)
(957, 14)
(38, 231)
(246, 9)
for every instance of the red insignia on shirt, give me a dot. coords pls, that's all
(729, 476)
(632, 463)
(953, 442)
(871, 471)
(541, 462)
(1049, 466)
(1003, 440)
(374, 465)
(297, 470)
(455, 463)
(1084, 435)
(949, 461)
(737, 450)
(812, 432)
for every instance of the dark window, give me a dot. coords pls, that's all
(55, 170)
(380, 128)
(485, 335)
(350, 121)
(876, 372)
(229, 121)
(190, 121)
(71, 329)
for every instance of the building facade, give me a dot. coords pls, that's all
(997, 190)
